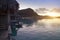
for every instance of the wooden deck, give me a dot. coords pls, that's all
(3, 34)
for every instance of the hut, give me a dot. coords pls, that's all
(8, 11)
(7, 8)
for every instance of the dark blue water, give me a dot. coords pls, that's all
(45, 29)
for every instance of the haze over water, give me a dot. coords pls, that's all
(45, 29)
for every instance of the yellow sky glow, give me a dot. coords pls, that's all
(49, 13)
(53, 14)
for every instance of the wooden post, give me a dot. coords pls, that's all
(9, 27)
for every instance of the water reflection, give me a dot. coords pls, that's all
(27, 22)
(46, 29)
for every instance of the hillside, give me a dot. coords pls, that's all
(27, 13)
(32, 14)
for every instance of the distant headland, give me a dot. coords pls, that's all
(30, 13)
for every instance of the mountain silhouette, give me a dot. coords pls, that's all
(27, 13)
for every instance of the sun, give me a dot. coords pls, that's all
(53, 14)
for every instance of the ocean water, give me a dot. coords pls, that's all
(45, 29)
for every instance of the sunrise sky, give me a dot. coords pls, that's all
(39, 4)
(36, 4)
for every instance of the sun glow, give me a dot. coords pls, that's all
(53, 14)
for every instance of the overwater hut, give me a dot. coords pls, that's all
(7, 8)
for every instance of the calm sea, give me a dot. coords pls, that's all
(45, 29)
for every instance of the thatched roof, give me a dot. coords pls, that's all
(6, 5)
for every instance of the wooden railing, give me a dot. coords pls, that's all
(2, 26)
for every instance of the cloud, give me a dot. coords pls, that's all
(42, 10)
(57, 10)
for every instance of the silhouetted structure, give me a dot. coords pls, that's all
(8, 10)
(7, 7)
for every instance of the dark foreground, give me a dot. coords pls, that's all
(3, 35)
